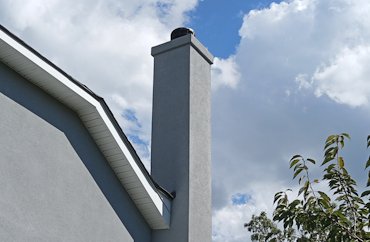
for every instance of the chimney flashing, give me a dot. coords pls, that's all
(181, 41)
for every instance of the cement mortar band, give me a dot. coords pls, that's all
(182, 41)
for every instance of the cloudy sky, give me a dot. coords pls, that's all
(286, 75)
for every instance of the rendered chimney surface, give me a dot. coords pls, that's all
(181, 134)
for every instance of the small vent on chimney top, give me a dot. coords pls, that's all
(181, 32)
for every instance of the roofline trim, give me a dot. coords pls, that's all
(104, 112)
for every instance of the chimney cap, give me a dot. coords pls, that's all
(182, 31)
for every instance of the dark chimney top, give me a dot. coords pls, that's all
(181, 32)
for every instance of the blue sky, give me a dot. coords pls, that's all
(286, 75)
(217, 23)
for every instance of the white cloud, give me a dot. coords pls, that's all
(299, 62)
(326, 42)
(303, 82)
(103, 44)
(225, 72)
(228, 221)
(346, 79)
(308, 47)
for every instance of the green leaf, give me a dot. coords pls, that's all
(365, 193)
(341, 162)
(332, 151)
(346, 135)
(326, 160)
(312, 161)
(295, 157)
(327, 144)
(297, 172)
(324, 203)
(297, 167)
(277, 196)
(294, 203)
(293, 162)
(340, 215)
(324, 196)
(301, 190)
(331, 137)
(368, 163)
(341, 143)
(301, 179)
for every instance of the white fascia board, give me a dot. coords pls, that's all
(46, 67)
(157, 200)
(161, 203)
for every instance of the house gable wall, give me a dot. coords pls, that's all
(55, 183)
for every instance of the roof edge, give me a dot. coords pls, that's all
(163, 195)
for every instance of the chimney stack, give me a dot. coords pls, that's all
(181, 135)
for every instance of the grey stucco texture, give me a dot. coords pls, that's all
(55, 185)
(181, 136)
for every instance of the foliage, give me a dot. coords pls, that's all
(315, 215)
(263, 229)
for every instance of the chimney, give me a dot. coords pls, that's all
(181, 135)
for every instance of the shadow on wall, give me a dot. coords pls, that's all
(56, 114)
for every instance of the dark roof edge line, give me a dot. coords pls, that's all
(24, 44)
(103, 104)
(132, 149)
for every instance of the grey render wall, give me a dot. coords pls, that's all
(200, 198)
(181, 142)
(170, 151)
(55, 185)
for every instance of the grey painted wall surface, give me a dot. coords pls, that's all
(170, 149)
(200, 216)
(55, 185)
(181, 154)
